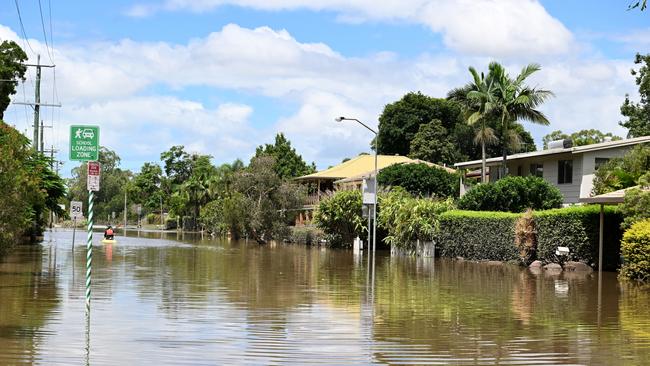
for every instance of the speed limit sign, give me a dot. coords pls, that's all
(76, 212)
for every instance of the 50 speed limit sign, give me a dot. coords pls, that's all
(76, 212)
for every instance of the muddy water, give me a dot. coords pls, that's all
(163, 299)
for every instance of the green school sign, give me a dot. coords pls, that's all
(84, 143)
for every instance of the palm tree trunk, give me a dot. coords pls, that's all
(504, 142)
(483, 162)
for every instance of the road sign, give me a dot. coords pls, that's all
(369, 191)
(93, 175)
(76, 212)
(84, 143)
(138, 208)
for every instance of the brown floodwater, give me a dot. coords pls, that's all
(165, 299)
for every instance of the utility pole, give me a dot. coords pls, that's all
(41, 137)
(37, 102)
(125, 211)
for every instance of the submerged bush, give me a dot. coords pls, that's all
(635, 248)
(636, 207)
(407, 219)
(512, 194)
(339, 216)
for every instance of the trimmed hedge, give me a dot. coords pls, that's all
(477, 235)
(636, 251)
(481, 235)
(512, 194)
(420, 180)
(578, 229)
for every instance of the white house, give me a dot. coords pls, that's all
(571, 169)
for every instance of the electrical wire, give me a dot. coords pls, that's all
(22, 27)
(47, 46)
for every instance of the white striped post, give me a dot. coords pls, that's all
(89, 247)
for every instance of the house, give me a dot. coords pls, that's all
(348, 175)
(571, 169)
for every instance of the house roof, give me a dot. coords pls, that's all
(571, 150)
(609, 198)
(362, 164)
(371, 173)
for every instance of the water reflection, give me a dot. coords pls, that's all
(200, 301)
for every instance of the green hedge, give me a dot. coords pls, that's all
(636, 251)
(481, 235)
(512, 194)
(477, 235)
(578, 228)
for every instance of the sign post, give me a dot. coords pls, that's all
(76, 212)
(84, 146)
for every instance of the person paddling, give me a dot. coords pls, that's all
(108, 233)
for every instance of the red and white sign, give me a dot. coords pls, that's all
(94, 171)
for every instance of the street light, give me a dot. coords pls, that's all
(374, 211)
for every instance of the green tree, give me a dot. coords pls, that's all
(400, 121)
(432, 144)
(474, 98)
(580, 138)
(512, 100)
(148, 186)
(339, 216)
(177, 163)
(420, 179)
(638, 114)
(12, 70)
(288, 163)
(619, 173)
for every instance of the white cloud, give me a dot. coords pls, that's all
(485, 27)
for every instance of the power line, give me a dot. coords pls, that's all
(47, 47)
(22, 26)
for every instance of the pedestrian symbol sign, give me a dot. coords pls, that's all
(84, 143)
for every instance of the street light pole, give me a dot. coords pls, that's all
(374, 211)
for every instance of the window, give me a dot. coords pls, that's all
(564, 171)
(537, 170)
(600, 162)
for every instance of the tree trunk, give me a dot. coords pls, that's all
(483, 163)
(504, 139)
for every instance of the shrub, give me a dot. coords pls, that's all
(308, 235)
(420, 179)
(636, 207)
(578, 229)
(513, 194)
(407, 219)
(477, 235)
(636, 251)
(339, 216)
(619, 173)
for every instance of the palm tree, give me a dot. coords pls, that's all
(513, 100)
(474, 99)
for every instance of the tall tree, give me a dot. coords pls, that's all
(177, 163)
(432, 144)
(288, 163)
(512, 100)
(12, 70)
(638, 114)
(400, 121)
(474, 97)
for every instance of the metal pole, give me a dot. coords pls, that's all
(74, 230)
(89, 247)
(125, 211)
(162, 222)
(600, 238)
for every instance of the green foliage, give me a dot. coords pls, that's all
(638, 114)
(307, 235)
(478, 235)
(226, 215)
(619, 173)
(339, 216)
(431, 143)
(578, 229)
(580, 138)
(288, 164)
(635, 249)
(641, 4)
(420, 179)
(407, 219)
(12, 67)
(636, 207)
(400, 122)
(28, 188)
(513, 194)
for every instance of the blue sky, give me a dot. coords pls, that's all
(223, 76)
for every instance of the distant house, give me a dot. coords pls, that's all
(571, 169)
(348, 175)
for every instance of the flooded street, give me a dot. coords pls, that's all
(159, 299)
